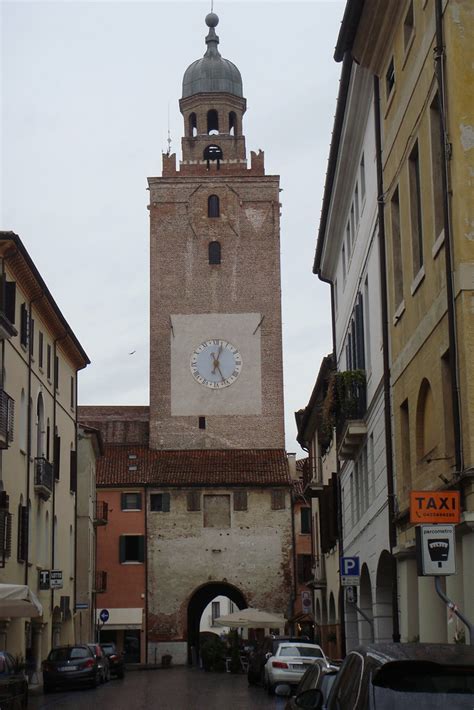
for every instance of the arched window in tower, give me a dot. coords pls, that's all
(192, 124)
(232, 123)
(213, 152)
(213, 206)
(212, 122)
(214, 252)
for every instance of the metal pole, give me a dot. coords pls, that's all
(452, 607)
(367, 619)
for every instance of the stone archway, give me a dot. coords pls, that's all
(198, 602)
(383, 598)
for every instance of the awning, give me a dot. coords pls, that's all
(17, 600)
(252, 619)
(121, 619)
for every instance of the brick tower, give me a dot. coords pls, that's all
(215, 336)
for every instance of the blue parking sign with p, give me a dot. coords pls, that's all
(350, 567)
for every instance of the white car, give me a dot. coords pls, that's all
(290, 662)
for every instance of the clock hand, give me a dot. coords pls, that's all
(220, 372)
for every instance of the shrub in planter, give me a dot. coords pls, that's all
(213, 654)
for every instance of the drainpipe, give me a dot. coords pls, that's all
(295, 567)
(392, 531)
(145, 503)
(451, 306)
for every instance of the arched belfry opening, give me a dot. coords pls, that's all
(198, 602)
(233, 123)
(192, 125)
(212, 122)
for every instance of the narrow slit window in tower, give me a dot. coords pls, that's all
(213, 206)
(232, 123)
(214, 252)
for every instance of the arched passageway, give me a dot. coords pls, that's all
(198, 602)
(366, 605)
(383, 598)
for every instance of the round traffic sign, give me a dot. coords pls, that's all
(104, 615)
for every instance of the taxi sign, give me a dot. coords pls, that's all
(435, 507)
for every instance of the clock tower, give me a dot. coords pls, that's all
(216, 377)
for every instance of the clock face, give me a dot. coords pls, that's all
(216, 364)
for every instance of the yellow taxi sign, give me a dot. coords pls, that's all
(435, 507)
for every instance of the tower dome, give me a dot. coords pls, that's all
(212, 73)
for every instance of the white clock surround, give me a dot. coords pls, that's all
(242, 393)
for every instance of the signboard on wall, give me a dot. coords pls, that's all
(56, 579)
(306, 602)
(349, 571)
(435, 507)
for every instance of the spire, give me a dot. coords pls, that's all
(212, 40)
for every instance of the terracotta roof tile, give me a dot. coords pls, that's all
(256, 467)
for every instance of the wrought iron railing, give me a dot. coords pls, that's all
(43, 475)
(351, 397)
(100, 582)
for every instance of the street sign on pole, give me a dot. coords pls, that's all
(56, 579)
(435, 550)
(104, 615)
(44, 579)
(350, 571)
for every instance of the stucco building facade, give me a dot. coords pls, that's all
(40, 360)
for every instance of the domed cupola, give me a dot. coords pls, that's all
(212, 73)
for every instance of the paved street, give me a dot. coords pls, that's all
(170, 689)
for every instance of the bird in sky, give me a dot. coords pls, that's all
(133, 352)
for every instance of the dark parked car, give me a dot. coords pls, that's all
(320, 675)
(102, 660)
(70, 665)
(116, 662)
(266, 649)
(13, 684)
(399, 676)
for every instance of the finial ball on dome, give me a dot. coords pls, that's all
(212, 20)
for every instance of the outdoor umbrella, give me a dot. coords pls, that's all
(18, 600)
(251, 619)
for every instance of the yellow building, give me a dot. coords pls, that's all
(40, 358)
(422, 53)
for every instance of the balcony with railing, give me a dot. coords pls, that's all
(319, 573)
(100, 582)
(43, 478)
(101, 512)
(7, 411)
(351, 408)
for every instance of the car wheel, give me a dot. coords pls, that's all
(270, 688)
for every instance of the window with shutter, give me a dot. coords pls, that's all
(48, 361)
(56, 372)
(73, 472)
(305, 521)
(24, 325)
(278, 499)
(160, 502)
(57, 456)
(9, 303)
(5, 536)
(240, 500)
(40, 349)
(194, 500)
(304, 571)
(131, 501)
(22, 533)
(31, 338)
(131, 548)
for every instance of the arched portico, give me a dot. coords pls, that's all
(383, 598)
(198, 601)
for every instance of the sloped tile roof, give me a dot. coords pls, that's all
(256, 467)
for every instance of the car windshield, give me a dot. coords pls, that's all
(311, 651)
(108, 648)
(429, 687)
(64, 654)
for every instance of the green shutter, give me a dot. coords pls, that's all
(165, 502)
(141, 548)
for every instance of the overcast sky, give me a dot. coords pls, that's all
(87, 88)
